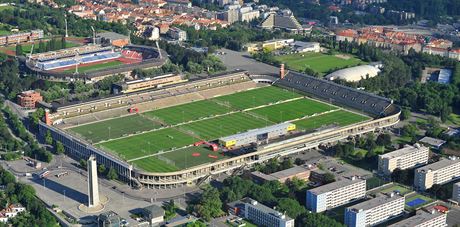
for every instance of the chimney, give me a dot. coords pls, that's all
(282, 71)
(47, 117)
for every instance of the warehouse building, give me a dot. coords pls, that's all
(405, 158)
(424, 218)
(259, 214)
(375, 211)
(257, 135)
(443, 171)
(335, 194)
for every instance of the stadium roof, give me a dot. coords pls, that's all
(354, 74)
(255, 132)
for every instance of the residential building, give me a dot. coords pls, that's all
(11, 211)
(177, 34)
(405, 158)
(29, 99)
(335, 194)
(432, 142)
(153, 214)
(440, 172)
(424, 218)
(112, 38)
(259, 214)
(284, 21)
(375, 211)
(456, 192)
(249, 15)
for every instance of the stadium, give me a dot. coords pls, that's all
(93, 62)
(184, 134)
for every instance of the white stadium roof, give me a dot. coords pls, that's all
(354, 74)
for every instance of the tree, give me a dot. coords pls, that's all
(41, 47)
(329, 178)
(101, 169)
(316, 220)
(292, 207)
(383, 140)
(63, 42)
(18, 50)
(170, 209)
(210, 205)
(112, 174)
(59, 148)
(48, 138)
(83, 163)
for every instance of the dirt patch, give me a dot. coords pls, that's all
(342, 56)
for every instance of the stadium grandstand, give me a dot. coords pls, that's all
(222, 107)
(21, 37)
(336, 93)
(92, 63)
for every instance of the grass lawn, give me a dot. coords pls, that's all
(4, 32)
(27, 47)
(148, 143)
(7, 7)
(224, 125)
(104, 65)
(454, 119)
(397, 188)
(340, 117)
(118, 127)
(292, 110)
(318, 62)
(188, 112)
(152, 164)
(417, 196)
(257, 97)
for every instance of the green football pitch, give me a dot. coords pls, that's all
(98, 66)
(115, 128)
(318, 62)
(169, 149)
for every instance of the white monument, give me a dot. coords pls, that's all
(93, 190)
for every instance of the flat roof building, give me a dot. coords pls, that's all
(29, 99)
(405, 158)
(375, 211)
(153, 214)
(335, 194)
(443, 171)
(299, 172)
(433, 142)
(424, 218)
(260, 214)
(257, 135)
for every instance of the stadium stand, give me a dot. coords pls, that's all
(82, 59)
(68, 52)
(333, 92)
(131, 54)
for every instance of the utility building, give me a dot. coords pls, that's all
(257, 135)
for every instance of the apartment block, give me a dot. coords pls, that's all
(405, 158)
(440, 172)
(375, 211)
(259, 214)
(177, 34)
(424, 218)
(335, 194)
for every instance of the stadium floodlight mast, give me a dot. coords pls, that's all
(66, 31)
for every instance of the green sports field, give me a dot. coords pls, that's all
(318, 62)
(98, 66)
(141, 140)
(115, 128)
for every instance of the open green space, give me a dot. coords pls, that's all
(396, 188)
(292, 110)
(148, 143)
(188, 112)
(339, 117)
(114, 128)
(98, 66)
(318, 62)
(256, 97)
(152, 164)
(224, 125)
(7, 7)
(27, 47)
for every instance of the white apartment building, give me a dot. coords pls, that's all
(177, 34)
(335, 194)
(440, 172)
(405, 158)
(375, 211)
(260, 214)
(424, 218)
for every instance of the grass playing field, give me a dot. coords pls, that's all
(188, 112)
(114, 128)
(149, 143)
(173, 140)
(318, 62)
(257, 97)
(340, 118)
(292, 110)
(88, 68)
